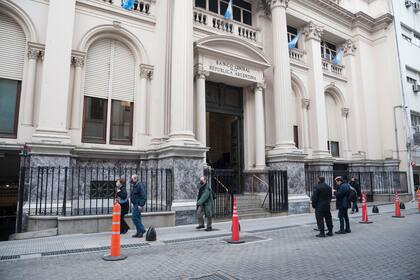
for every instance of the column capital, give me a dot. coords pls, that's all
(78, 61)
(259, 86)
(345, 112)
(146, 71)
(306, 102)
(349, 47)
(313, 31)
(35, 51)
(269, 5)
(200, 72)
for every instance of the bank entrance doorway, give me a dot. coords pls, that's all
(224, 121)
(9, 184)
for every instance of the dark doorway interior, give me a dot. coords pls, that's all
(225, 131)
(9, 181)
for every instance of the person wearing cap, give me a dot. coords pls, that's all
(342, 203)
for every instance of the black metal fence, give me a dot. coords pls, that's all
(221, 182)
(387, 182)
(277, 191)
(70, 191)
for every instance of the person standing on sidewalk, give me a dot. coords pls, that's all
(138, 200)
(204, 204)
(356, 186)
(321, 200)
(123, 201)
(342, 203)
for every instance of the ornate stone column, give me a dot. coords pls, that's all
(141, 103)
(259, 126)
(318, 116)
(28, 109)
(52, 123)
(182, 72)
(346, 147)
(78, 62)
(355, 122)
(200, 98)
(306, 102)
(281, 79)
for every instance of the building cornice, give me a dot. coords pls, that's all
(347, 18)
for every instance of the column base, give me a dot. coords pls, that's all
(185, 212)
(320, 154)
(298, 204)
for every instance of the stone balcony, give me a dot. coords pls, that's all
(215, 24)
(332, 69)
(297, 56)
(142, 6)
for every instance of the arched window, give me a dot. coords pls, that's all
(109, 93)
(333, 125)
(12, 56)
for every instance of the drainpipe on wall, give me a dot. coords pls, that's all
(410, 179)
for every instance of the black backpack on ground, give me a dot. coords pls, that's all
(151, 234)
(375, 209)
(402, 205)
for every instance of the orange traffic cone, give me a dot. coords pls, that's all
(397, 207)
(115, 237)
(418, 199)
(365, 219)
(235, 224)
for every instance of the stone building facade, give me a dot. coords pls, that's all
(173, 84)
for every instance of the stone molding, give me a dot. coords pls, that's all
(349, 47)
(146, 71)
(313, 31)
(260, 86)
(77, 61)
(345, 112)
(349, 19)
(306, 102)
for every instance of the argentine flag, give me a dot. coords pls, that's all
(229, 13)
(337, 58)
(293, 42)
(127, 4)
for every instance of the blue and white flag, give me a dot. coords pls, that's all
(337, 58)
(293, 42)
(127, 4)
(229, 12)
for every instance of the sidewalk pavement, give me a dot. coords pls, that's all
(77, 243)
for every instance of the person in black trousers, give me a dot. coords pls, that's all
(321, 200)
(123, 201)
(343, 204)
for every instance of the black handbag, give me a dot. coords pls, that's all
(151, 234)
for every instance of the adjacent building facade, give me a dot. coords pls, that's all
(173, 84)
(407, 26)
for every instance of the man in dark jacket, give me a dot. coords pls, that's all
(356, 186)
(138, 199)
(321, 200)
(342, 203)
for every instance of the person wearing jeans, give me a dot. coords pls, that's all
(138, 200)
(356, 186)
(342, 204)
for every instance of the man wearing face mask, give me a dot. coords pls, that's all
(138, 199)
(204, 204)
